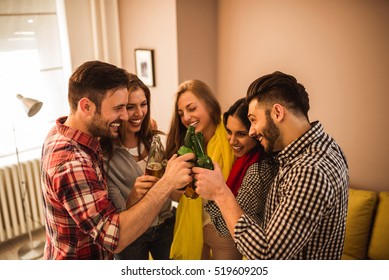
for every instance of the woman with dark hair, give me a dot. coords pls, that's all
(252, 173)
(125, 162)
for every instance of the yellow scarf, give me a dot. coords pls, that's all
(188, 230)
(220, 150)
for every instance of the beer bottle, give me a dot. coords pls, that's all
(154, 165)
(200, 136)
(187, 147)
(202, 160)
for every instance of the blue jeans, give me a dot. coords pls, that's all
(155, 241)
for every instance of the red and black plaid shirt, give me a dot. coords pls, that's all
(81, 222)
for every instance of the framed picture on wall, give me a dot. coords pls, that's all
(144, 66)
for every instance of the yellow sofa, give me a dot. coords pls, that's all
(367, 226)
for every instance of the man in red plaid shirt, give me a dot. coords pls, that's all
(81, 222)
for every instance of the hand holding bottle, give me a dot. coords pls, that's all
(210, 184)
(141, 186)
(202, 160)
(187, 148)
(194, 143)
(178, 171)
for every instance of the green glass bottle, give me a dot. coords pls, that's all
(200, 136)
(187, 147)
(202, 160)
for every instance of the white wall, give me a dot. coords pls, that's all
(93, 30)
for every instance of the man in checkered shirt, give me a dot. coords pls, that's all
(306, 206)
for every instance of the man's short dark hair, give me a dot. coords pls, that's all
(92, 80)
(280, 88)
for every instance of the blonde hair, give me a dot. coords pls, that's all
(201, 90)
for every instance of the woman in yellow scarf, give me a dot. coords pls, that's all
(194, 235)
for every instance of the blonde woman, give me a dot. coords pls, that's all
(195, 237)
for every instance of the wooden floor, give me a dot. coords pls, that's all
(9, 249)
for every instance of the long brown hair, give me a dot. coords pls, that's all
(176, 134)
(145, 134)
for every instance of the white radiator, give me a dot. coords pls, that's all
(12, 218)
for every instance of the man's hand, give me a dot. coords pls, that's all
(209, 183)
(178, 171)
(141, 187)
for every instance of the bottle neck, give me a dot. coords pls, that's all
(156, 149)
(197, 146)
(188, 137)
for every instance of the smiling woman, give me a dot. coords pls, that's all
(28, 30)
(195, 236)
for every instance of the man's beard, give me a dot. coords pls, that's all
(100, 128)
(271, 133)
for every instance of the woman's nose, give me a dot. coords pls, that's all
(232, 140)
(186, 116)
(138, 111)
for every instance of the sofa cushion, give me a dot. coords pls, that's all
(379, 242)
(361, 207)
(347, 257)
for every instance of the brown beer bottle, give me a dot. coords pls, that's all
(154, 165)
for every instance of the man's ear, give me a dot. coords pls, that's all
(278, 112)
(86, 106)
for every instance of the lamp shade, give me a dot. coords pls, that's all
(31, 106)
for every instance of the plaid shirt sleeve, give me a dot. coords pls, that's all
(249, 198)
(301, 204)
(81, 189)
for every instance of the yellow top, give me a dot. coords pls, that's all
(188, 230)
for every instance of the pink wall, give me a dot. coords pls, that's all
(197, 40)
(152, 24)
(183, 36)
(337, 49)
